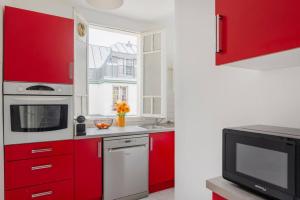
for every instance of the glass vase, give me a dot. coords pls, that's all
(121, 122)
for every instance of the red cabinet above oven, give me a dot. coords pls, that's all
(37, 47)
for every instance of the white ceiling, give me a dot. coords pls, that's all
(148, 10)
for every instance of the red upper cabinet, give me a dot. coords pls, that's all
(88, 169)
(37, 47)
(161, 161)
(251, 28)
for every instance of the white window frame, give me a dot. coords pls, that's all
(164, 72)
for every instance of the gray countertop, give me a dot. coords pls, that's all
(229, 190)
(118, 131)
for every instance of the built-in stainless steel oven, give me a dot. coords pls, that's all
(37, 112)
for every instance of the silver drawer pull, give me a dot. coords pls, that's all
(218, 33)
(71, 67)
(151, 144)
(34, 151)
(42, 194)
(99, 149)
(41, 167)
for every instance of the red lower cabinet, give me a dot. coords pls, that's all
(88, 169)
(54, 191)
(161, 161)
(41, 171)
(38, 150)
(38, 171)
(217, 197)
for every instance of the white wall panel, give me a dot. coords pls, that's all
(209, 98)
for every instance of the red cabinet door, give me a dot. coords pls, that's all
(215, 196)
(62, 190)
(251, 28)
(37, 150)
(37, 47)
(161, 161)
(24, 173)
(88, 169)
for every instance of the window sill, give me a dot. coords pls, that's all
(130, 120)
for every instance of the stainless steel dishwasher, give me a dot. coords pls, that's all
(126, 167)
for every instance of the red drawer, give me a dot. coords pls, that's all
(38, 171)
(53, 191)
(37, 150)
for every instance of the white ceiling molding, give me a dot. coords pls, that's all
(144, 10)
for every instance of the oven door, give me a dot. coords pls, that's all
(30, 119)
(261, 162)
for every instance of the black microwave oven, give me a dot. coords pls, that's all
(263, 159)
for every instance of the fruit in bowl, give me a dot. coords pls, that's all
(103, 124)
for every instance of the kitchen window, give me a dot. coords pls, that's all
(116, 60)
(112, 70)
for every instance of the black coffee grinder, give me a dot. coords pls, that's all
(80, 128)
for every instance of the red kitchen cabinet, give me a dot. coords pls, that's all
(38, 150)
(161, 161)
(37, 47)
(32, 172)
(251, 28)
(217, 197)
(88, 169)
(53, 191)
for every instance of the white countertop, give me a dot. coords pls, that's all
(120, 131)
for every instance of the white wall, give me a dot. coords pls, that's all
(111, 21)
(209, 98)
(54, 7)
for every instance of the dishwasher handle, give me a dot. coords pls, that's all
(115, 149)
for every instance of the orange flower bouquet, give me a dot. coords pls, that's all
(122, 109)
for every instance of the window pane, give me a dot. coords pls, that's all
(124, 93)
(112, 63)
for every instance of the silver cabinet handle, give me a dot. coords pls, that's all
(42, 194)
(34, 168)
(151, 144)
(71, 67)
(34, 151)
(100, 149)
(218, 33)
